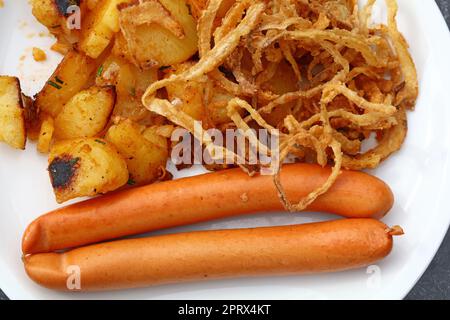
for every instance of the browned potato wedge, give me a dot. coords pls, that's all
(130, 83)
(99, 27)
(12, 114)
(71, 76)
(85, 167)
(144, 158)
(46, 134)
(159, 33)
(86, 114)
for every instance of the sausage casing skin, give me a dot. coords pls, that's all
(202, 198)
(300, 249)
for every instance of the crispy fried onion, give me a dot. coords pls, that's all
(149, 12)
(314, 73)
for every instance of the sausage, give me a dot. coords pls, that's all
(300, 249)
(202, 198)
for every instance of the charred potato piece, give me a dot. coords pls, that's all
(159, 33)
(71, 76)
(144, 158)
(86, 114)
(12, 113)
(99, 27)
(46, 134)
(85, 167)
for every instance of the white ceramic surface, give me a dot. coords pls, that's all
(418, 175)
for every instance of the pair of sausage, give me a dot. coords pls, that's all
(319, 247)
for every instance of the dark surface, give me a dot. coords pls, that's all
(435, 283)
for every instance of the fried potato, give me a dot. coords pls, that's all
(92, 4)
(158, 135)
(99, 27)
(45, 138)
(120, 48)
(159, 33)
(46, 12)
(32, 119)
(12, 114)
(145, 155)
(189, 95)
(71, 76)
(54, 15)
(85, 167)
(130, 83)
(86, 114)
(217, 106)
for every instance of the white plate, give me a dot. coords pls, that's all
(418, 175)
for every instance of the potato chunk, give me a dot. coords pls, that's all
(56, 15)
(86, 114)
(12, 114)
(71, 76)
(46, 12)
(46, 134)
(99, 28)
(130, 83)
(85, 167)
(144, 157)
(159, 33)
(189, 95)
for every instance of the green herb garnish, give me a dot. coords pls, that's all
(133, 92)
(100, 141)
(131, 182)
(59, 80)
(53, 84)
(100, 71)
(162, 68)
